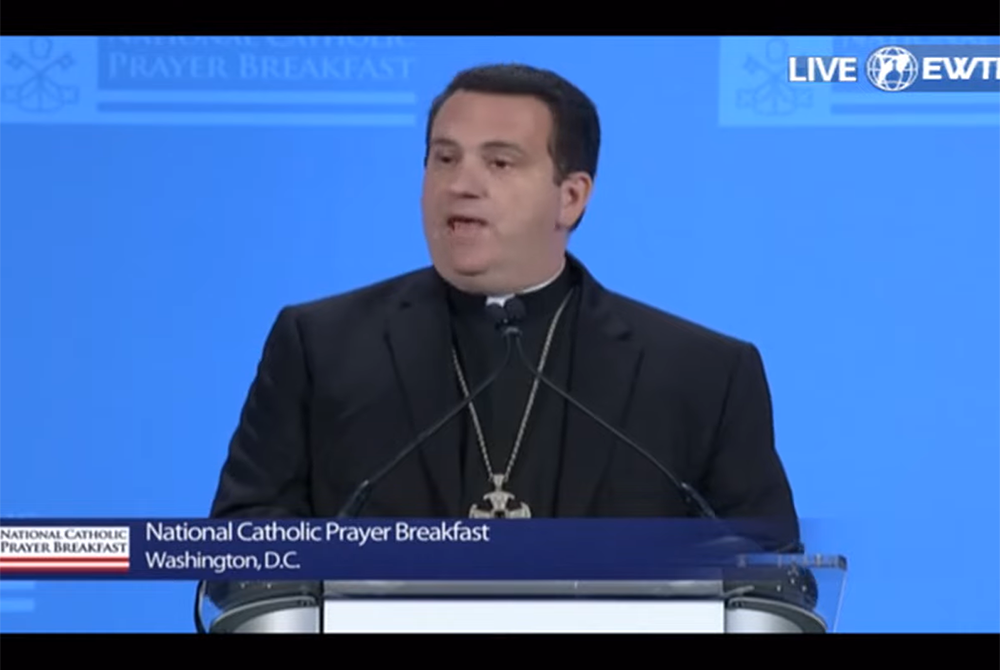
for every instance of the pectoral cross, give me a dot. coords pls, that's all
(500, 501)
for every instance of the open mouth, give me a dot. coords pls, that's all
(464, 222)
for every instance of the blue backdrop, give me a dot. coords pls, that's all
(163, 199)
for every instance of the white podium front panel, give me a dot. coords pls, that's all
(523, 616)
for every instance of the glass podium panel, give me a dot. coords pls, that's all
(760, 593)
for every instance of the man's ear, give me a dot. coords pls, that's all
(575, 191)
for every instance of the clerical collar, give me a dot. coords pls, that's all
(502, 299)
(540, 300)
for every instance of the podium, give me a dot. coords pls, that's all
(756, 594)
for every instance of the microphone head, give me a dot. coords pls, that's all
(497, 314)
(515, 310)
(505, 318)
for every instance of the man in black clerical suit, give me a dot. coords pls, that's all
(346, 381)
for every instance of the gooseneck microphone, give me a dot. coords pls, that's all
(357, 501)
(514, 311)
(355, 504)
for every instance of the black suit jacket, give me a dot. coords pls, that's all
(345, 382)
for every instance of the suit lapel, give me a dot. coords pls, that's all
(605, 363)
(418, 336)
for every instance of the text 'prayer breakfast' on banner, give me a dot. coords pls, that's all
(367, 549)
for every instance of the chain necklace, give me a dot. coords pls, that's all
(499, 499)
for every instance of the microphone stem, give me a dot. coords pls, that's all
(199, 597)
(692, 497)
(360, 496)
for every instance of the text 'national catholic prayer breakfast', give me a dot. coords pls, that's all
(308, 531)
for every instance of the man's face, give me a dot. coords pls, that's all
(494, 217)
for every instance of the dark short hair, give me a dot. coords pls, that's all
(576, 139)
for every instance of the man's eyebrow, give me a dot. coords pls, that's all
(443, 141)
(493, 144)
(508, 146)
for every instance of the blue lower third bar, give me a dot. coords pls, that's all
(14, 597)
(17, 605)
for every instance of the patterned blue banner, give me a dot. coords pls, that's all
(318, 549)
(312, 81)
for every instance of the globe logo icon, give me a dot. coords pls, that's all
(892, 68)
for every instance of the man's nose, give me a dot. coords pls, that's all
(466, 181)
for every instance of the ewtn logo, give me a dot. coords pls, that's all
(918, 68)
